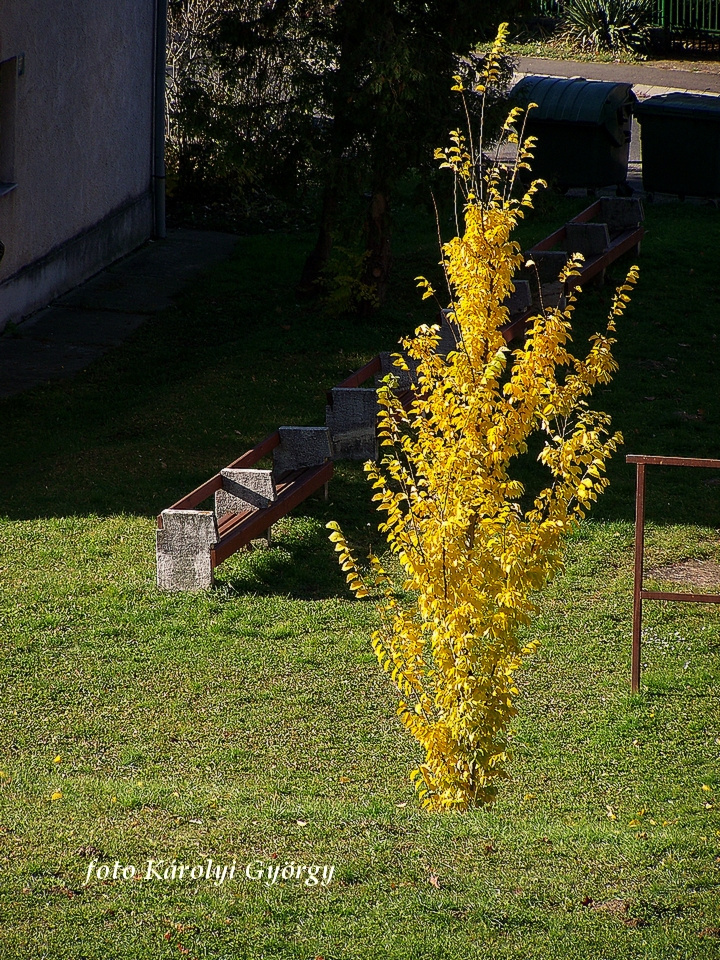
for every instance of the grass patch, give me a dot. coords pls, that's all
(252, 723)
(561, 48)
(556, 45)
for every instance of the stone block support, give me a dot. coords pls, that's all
(244, 490)
(621, 214)
(548, 264)
(520, 299)
(351, 418)
(589, 239)
(300, 447)
(406, 378)
(183, 550)
(449, 334)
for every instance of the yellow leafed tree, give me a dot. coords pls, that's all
(473, 552)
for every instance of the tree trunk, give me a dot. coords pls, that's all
(317, 259)
(378, 231)
(343, 130)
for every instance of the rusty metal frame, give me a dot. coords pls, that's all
(639, 592)
(205, 490)
(627, 240)
(246, 527)
(240, 530)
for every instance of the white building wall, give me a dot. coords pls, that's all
(83, 123)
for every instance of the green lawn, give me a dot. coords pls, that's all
(252, 724)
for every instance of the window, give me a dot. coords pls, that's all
(8, 83)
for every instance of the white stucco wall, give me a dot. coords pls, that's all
(83, 136)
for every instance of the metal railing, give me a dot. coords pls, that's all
(683, 18)
(639, 591)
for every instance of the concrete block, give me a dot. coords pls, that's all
(183, 550)
(301, 447)
(548, 264)
(520, 299)
(553, 295)
(352, 419)
(406, 378)
(620, 214)
(244, 490)
(589, 239)
(449, 334)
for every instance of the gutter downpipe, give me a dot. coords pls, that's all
(158, 177)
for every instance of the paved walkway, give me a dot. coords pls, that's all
(80, 326)
(647, 81)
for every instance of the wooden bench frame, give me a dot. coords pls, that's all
(201, 540)
(510, 331)
(621, 243)
(235, 530)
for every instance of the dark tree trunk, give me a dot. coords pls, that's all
(317, 259)
(390, 103)
(378, 231)
(343, 130)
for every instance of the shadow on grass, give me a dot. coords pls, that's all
(192, 390)
(239, 356)
(301, 562)
(301, 568)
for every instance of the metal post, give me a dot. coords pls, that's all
(665, 23)
(638, 585)
(158, 179)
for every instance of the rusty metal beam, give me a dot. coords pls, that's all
(638, 579)
(673, 461)
(191, 500)
(626, 241)
(363, 374)
(257, 453)
(517, 327)
(686, 597)
(247, 528)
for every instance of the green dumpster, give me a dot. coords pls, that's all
(680, 144)
(583, 129)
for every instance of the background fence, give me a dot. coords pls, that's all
(694, 21)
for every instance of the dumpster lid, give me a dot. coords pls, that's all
(697, 106)
(573, 100)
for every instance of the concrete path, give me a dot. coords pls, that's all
(80, 326)
(647, 81)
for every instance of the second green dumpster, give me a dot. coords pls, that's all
(680, 139)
